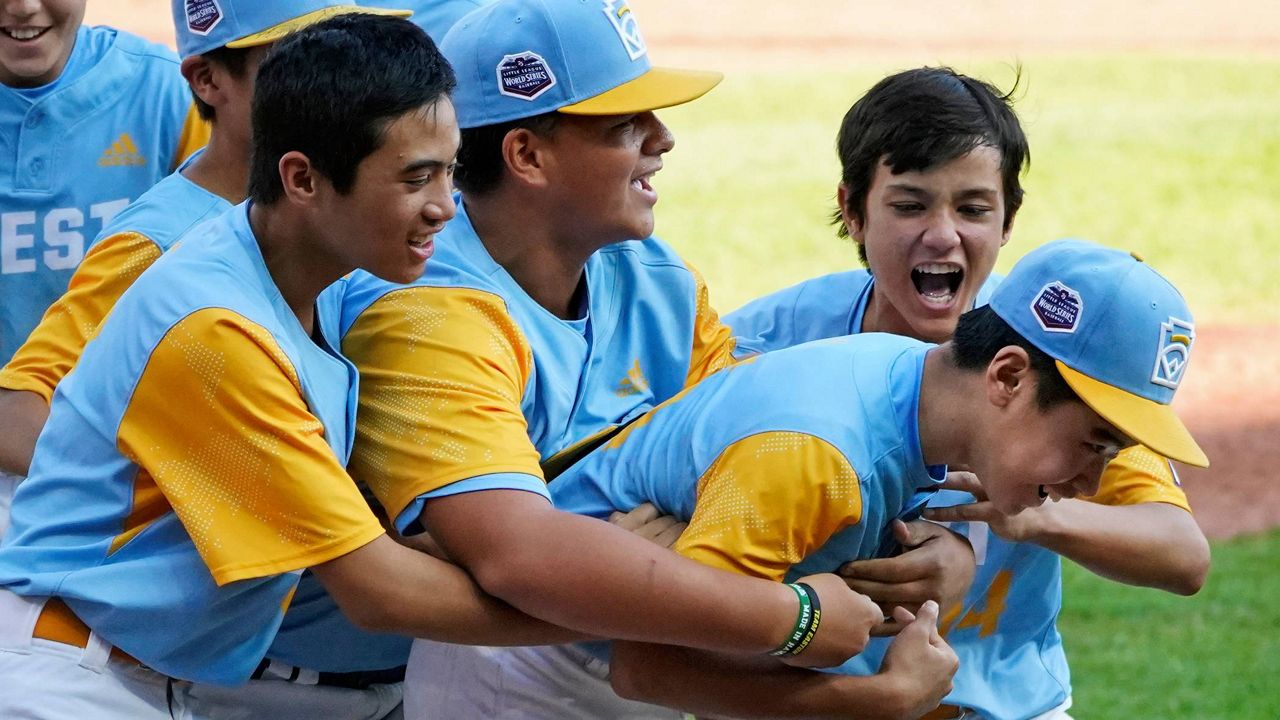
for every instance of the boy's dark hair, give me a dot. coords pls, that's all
(981, 333)
(235, 60)
(330, 91)
(918, 119)
(480, 161)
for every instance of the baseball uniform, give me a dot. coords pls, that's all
(74, 153)
(186, 553)
(786, 465)
(1012, 664)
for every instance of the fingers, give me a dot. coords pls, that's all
(636, 518)
(913, 564)
(965, 482)
(668, 537)
(902, 532)
(902, 615)
(982, 511)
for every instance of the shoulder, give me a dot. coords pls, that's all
(150, 53)
(648, 252)
(167, 211)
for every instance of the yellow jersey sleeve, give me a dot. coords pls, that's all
(194, 135)
(1139, 475)
(713, 341)
(241, 459)
(443, 371)
(768, 501)
(54, 347)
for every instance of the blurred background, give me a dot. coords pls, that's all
(1154, 126)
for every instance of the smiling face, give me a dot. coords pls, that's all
(1024, 453)
(601, 170)
(931, 239)
(401, 197)
(36, 37)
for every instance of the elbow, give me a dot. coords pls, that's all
(500, 575)
(627, 677)
(1195, 569)
(374, 617)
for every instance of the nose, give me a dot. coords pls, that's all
(942, 232)
(439, 207)
(658, 138)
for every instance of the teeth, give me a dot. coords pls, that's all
(23, 33)
(938, 268)
(944, 299)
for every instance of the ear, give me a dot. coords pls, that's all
(1008, 376)
(298, 177)
(851, 222)
(527, 157)
(199, 74)
(1004, 236)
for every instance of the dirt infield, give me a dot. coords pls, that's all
(1232, 396)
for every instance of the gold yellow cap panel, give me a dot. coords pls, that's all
(655, 89)
(277, 32)
(1152, 424)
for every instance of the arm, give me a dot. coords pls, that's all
(914, 678)
(24, 414)
(1138, 530)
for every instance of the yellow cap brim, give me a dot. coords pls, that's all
(657, 88)
(1151, 423)
(277, 32)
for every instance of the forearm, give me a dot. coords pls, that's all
(1149, 544)
(387, 587)
(713, 685)
(23, 414)
(585, 574)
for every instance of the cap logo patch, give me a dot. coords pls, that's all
(1176, 337)
(619, 14)
(524, 75)
(203, 15)
(1057, 308)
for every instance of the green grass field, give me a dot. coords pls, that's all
(1178, 158)
(1139, 653)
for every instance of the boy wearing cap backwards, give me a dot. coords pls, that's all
(791, 462)
(537, 325)
(90, 117)
(929, 189)
(177, 531)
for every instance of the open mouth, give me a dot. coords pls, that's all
(642, 183)
(24, 34)
(937, 283)
(1043, 492)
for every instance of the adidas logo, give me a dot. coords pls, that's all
(122, 152)
(634, 383)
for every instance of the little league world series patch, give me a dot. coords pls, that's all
(524, 75)
(1057, 308)
(203, 15)
(1176, 338)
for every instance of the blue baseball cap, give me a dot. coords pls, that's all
(1119, 333)
(204, 25)
(519, 58)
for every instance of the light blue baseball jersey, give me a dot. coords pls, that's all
(192, 465)
(789, 464)
(467, 383)
(1012, 663)
(74, 153)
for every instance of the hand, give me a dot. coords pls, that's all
(645, 521)
(919, 662)
(937, 565)
(1025, 526)
(845, 628)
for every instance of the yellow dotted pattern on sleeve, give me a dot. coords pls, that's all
(768, 501)
(219, 423)
(713, 341)
(1139, 475)
(442, 375)
(54, 347)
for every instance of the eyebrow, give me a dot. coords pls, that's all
(428, 164)
(968, 193)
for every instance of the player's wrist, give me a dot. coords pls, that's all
(808, 619)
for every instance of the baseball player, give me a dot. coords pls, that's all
(789, 463)
(929, 189)
(90, 117)
(192, 465)
(547, 313)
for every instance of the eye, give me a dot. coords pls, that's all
(975, 212)
(906, 207)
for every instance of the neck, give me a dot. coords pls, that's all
(299, 270)
(223, 167)
(547, 265)
(945, 420)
